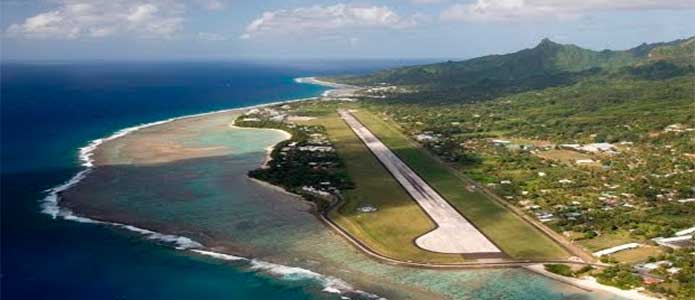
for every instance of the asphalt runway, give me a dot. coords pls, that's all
(454, 234)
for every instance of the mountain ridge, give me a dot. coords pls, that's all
(545, 65)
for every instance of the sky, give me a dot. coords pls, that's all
(306, 29)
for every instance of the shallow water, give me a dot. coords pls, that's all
(207, 197)
(50, 110)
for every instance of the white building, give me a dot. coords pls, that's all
(616, 249)
(423, 137)
(584, 161)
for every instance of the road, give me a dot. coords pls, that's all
(454, 234)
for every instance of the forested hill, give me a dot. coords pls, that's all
(546, 65)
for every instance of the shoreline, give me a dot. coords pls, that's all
(590, 284)
(51, 205)
(269, 150)
(338, 89)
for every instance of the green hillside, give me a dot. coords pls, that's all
(681, 52)
(549, 64)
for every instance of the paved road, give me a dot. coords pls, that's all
(454, 233)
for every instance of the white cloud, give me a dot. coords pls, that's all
(513, 10)
(324, 19)
(100, 18)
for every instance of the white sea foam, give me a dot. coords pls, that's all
(50, 205)
(330, 284)
(221, 256)
(50, 202)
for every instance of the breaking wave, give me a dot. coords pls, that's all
(50, 205)
(330, 284)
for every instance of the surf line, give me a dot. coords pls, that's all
(51, 205)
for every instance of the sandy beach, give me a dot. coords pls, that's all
(339, 90)
(590, 284)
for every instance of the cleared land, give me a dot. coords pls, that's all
(398, 221)
(638, 254)
(515, 237)
(454, 234)
(606, 241)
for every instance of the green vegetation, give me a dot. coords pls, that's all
(306, 164)
(679, 52)
(606, 240)
(620, 276)
(397, 221)
(632, 190)
(514, 236)
(524, 124)
(547, 65)
(636, 255)
(598, 146)
(677, 270)
(559, 269)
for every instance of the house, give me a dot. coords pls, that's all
(597, 147)
(675, 242)
(688, 231)
(278, 118)
(688, 200)
(545, 217)
(575, 147)
(584, 161)
(316, 148)
(497, 142)
(649, 280)
(424, 137)
(674, 128)
(591, 148)
(648, 267)
(616, 249)
(315, 191)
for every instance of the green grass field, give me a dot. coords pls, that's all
(514, 236)
(392, 229)
(637, 255)
(606, 241)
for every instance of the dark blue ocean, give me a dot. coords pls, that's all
(49, 110)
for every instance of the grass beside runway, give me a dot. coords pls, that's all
(392, 229)
(514, 236)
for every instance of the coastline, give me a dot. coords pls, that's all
(269, 150)
(51, 204)
(584, 284)
(590, 284)
(338, 89)
(313, 80)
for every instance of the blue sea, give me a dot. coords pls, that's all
(50, 110)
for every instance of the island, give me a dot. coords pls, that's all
(554, 163)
